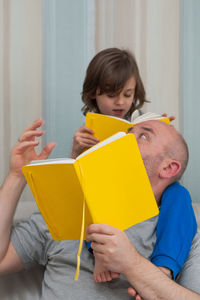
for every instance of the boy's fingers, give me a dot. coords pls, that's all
(89, 137)
(86, 129)
(132, 292)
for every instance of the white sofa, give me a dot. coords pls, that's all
(26, 285)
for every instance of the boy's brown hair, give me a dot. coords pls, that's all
(109, 71)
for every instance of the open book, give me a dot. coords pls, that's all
(106, 184)
(105, 126)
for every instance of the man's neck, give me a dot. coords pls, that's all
(158, 190)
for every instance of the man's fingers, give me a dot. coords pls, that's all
(36, 124)
(100, 234)
(24, 145)
(102, 229)
(28, 135)
(47, 150)
(98, 238)
(98, 248)
(33, 127)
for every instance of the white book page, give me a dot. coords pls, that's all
(52, 161)
(147, 117)
(101, 144)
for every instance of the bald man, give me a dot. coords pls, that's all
(30, 243)
(165, 156)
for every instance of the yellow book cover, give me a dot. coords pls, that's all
(110, 177)
(105, 126)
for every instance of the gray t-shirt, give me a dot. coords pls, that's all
(34, 245)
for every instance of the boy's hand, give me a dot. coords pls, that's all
(132, 292)
(83, 138)
(24, 151)
(171, 118)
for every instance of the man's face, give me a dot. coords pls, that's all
(152, 136)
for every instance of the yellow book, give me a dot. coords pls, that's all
(110, 176)
(106, 184)
(105, 126)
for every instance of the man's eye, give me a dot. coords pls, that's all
(143, 136)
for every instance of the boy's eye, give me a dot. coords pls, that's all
(111, 96)
(128, 95)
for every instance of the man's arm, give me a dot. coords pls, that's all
(9, 195)
(22, 153)
(117, 254)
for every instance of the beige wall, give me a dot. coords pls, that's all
(20, 71)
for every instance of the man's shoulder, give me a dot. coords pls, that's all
(36, 217)
(143, 236)
(34, 223)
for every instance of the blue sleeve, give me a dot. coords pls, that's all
(176, 228)
(89, 247)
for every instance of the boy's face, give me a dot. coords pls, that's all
(117, 105)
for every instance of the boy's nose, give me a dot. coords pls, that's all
(119, 100)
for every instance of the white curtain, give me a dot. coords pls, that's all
(150, 29)
(20, 72)
(189, 87)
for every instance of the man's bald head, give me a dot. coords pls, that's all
(178, 150)
(160, 142)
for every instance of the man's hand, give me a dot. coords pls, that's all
(83, 139)
(24, 151)
(112, 247)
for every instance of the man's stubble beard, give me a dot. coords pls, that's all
(151, 164)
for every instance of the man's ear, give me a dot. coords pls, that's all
(169, 168)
